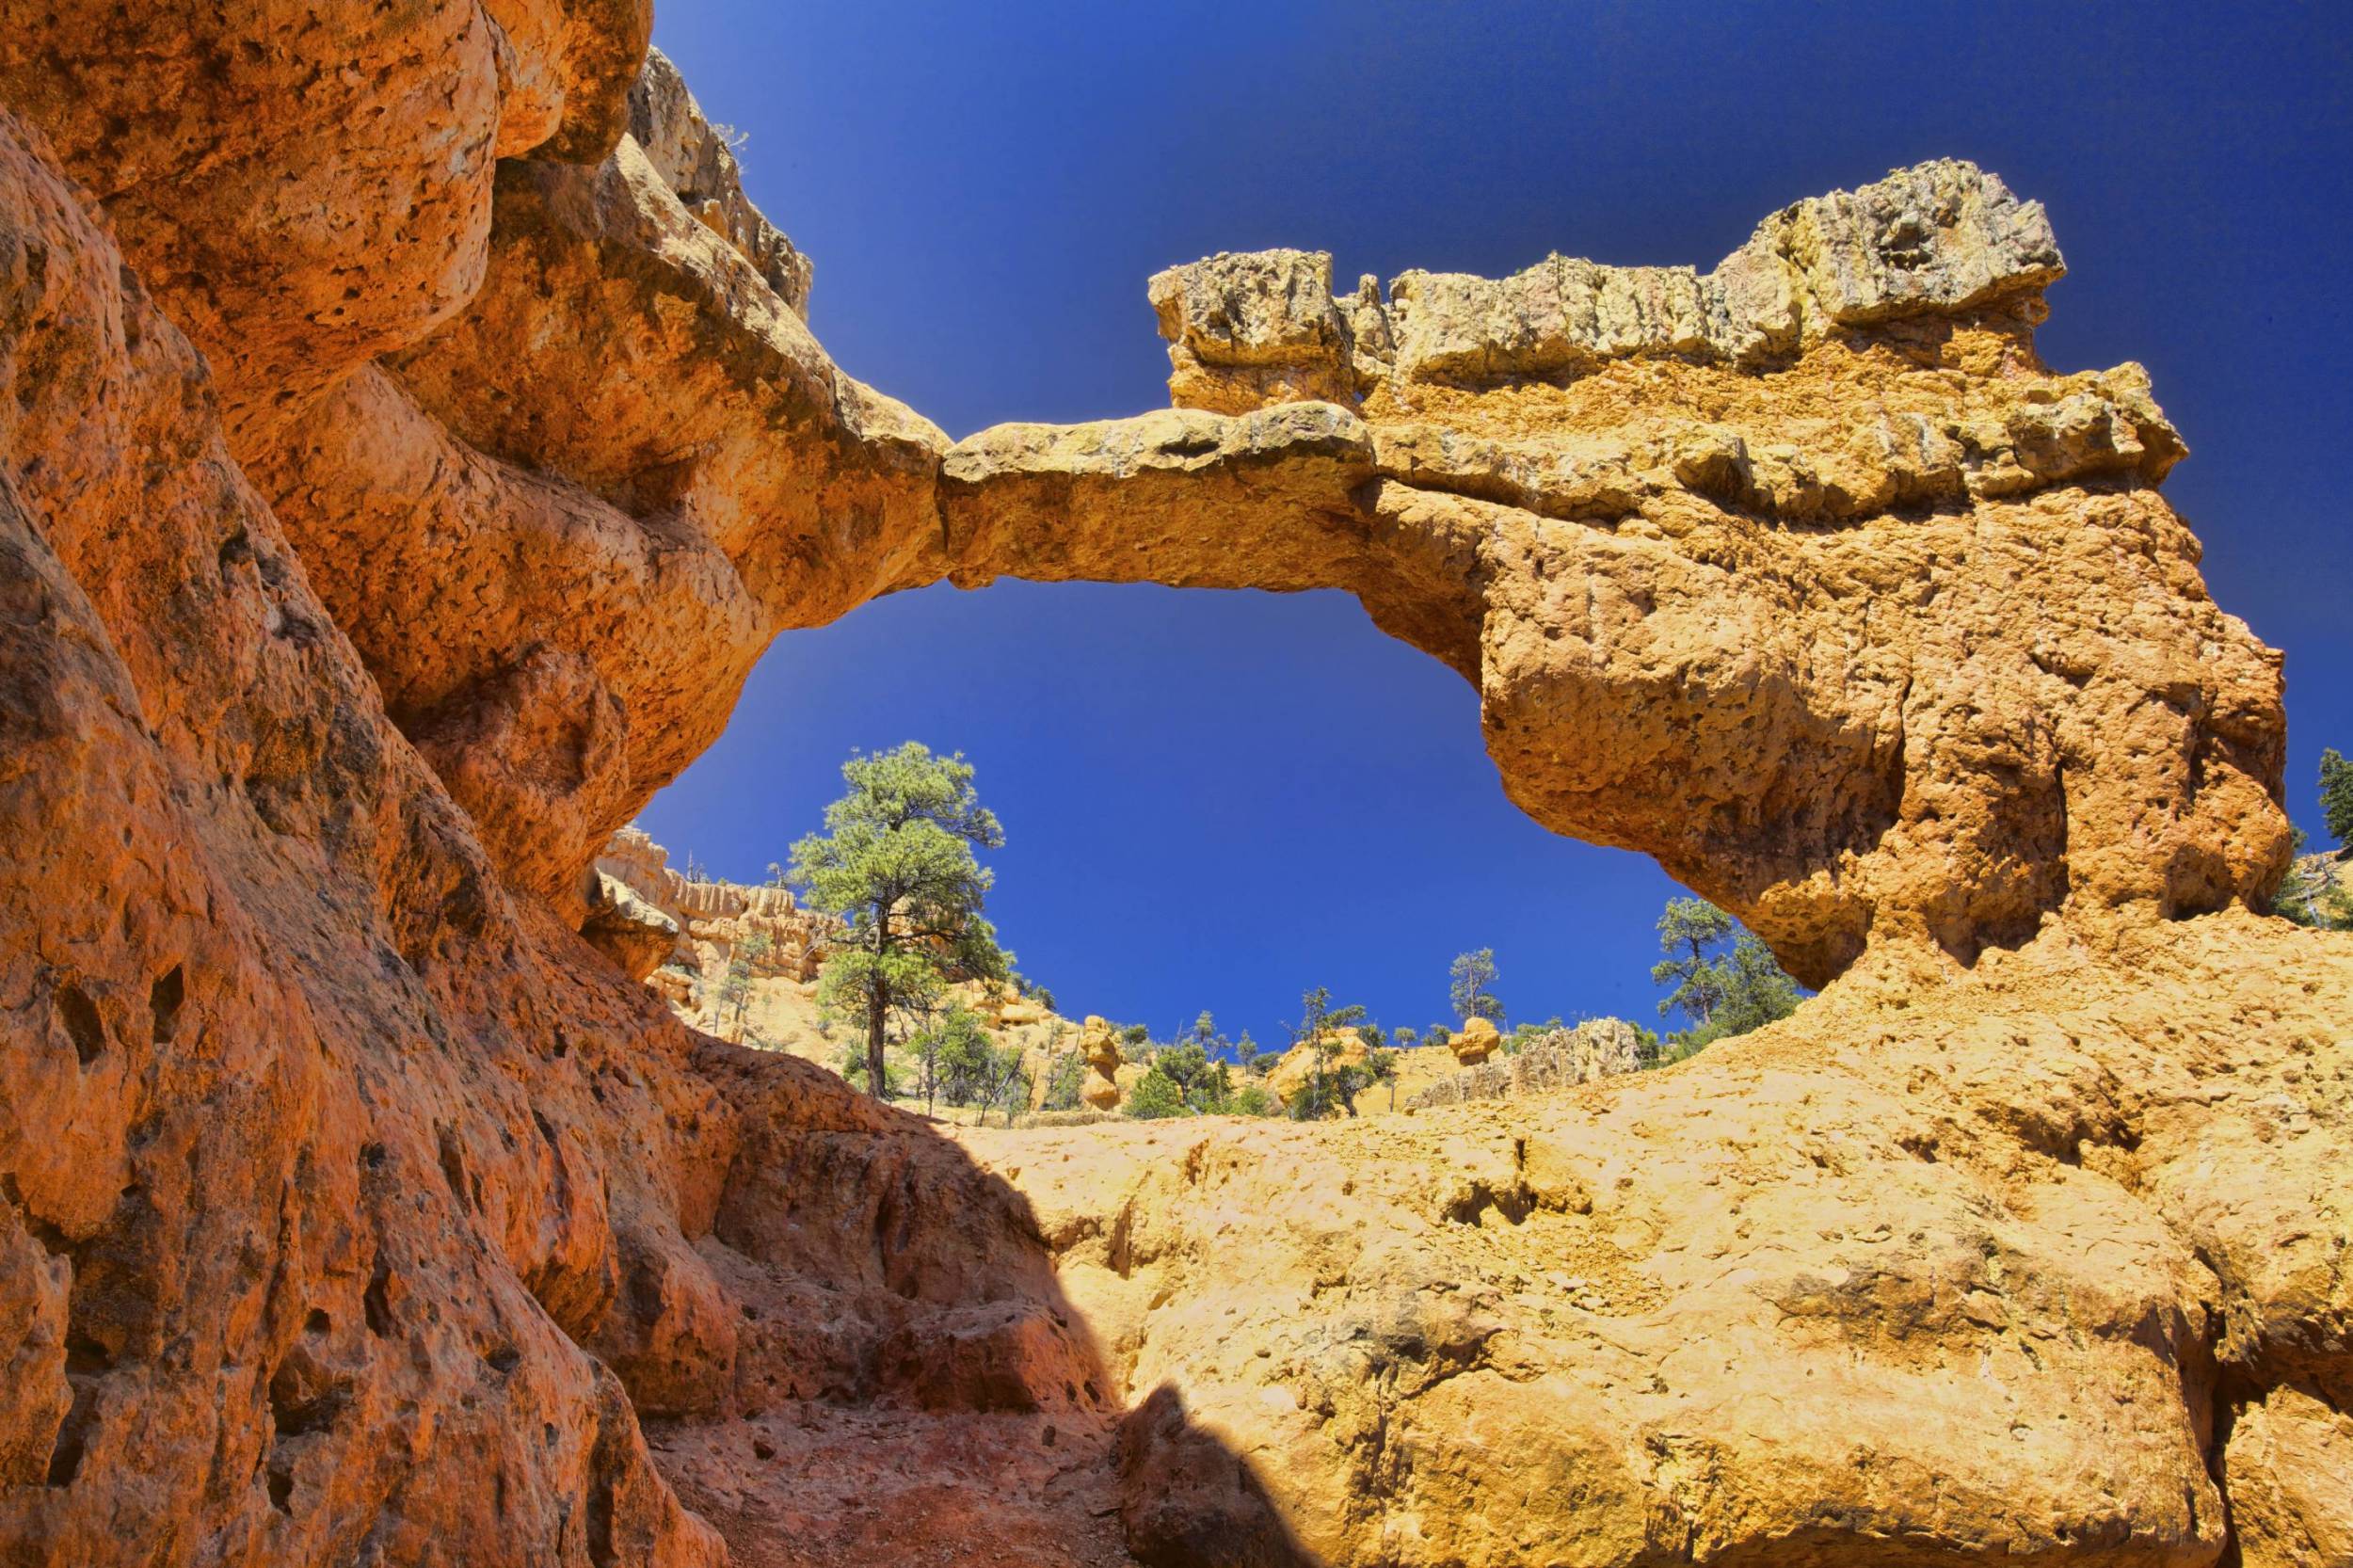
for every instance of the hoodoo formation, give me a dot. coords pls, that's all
(414, 439)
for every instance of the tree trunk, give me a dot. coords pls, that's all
(1699, 991)
(878, 1008)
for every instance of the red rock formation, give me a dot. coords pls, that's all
(351, 1208)
(401, 478)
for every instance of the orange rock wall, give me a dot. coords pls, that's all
(401, 478)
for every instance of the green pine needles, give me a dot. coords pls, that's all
(897, 863)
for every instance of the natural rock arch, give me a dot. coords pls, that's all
(352, 1209)
(1804, 577)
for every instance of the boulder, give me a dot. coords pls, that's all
(1099, 1042)
(1476, 1041)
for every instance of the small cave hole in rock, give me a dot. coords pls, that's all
(65, 1455)
(164, 999)
(297, 1410)
(375, 1300)
(83, 1026)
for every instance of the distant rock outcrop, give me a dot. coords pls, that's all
(640, 893)
(1555, 1059)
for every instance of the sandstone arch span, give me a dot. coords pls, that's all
(1804, 576)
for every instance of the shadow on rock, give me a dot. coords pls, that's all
(869, 1352)
(1186, 1498)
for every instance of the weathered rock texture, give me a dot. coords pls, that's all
(2042, 1264)
(403, 467)
(706, 921)
(1558, 1059)
(1805, 576)
(353, 1210)
(696, 160)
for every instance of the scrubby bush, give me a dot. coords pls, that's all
(1005, 1086)
(1156, 1097)
(1330, 1092)
(1064, 1080)
(1253, 1099)
(1203, 1082)
(1526, 1034)
(956, 1057)
(855, 1068)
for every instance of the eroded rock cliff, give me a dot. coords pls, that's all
(1806, 577)
(405, 463)
(1978, 1273)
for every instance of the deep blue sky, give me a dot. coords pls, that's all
(1213, 800)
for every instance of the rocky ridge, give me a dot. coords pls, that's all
(683, 934)
(645, 910)
(1557, 1058)
(402, 476)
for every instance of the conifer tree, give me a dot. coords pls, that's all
(1467, 982)
(896, 862)
(2336, 798)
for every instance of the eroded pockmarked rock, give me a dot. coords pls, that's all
(352, 1209)
(404, 468)
(1963, 1273)
(1804, 576)
(643, 465)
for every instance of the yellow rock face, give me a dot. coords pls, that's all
(1977, 1238)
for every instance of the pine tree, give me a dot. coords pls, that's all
(2336, 799)
(1687, 930)
(1742, 990)
(896, 862)
(1467, 982)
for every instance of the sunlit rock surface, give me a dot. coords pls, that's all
(405, 466)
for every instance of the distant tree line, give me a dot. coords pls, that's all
(898, 863)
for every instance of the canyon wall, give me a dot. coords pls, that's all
(414, 439)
